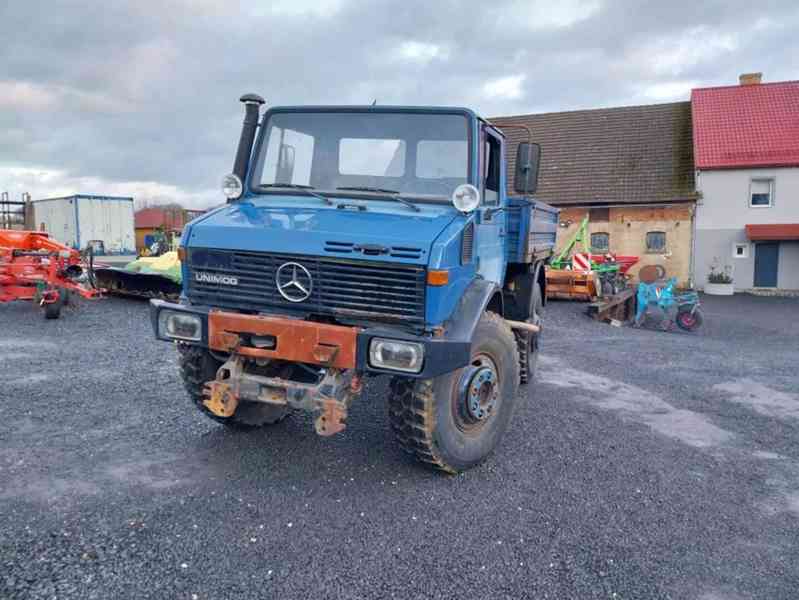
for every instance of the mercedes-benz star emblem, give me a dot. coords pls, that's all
(293, 282)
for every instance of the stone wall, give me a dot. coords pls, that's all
(627, 228)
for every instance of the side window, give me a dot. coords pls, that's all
(491, 164)
(600, 242)
(761, 193)
(656, 241)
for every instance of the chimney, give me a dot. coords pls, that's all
(750, 78)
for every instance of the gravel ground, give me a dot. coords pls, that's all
(643, 465)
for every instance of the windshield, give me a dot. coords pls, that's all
(424, 155)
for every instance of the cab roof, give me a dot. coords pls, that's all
(387, 108)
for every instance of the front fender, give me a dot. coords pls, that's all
(473, 303)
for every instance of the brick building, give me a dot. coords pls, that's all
(169, 218)
(630, 169)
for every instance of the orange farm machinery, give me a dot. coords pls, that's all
(35, 267)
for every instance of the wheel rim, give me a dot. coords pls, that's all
(476, 398)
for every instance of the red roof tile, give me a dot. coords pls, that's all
(746, 126)
(783, 231)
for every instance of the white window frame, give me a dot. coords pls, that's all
(770, 181)
(737, 245)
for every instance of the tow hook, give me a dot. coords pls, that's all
(220, 398)
(334, 409)
(330, 397)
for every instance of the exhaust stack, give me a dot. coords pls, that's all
(252, 108)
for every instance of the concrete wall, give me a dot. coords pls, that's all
(788, 267)
(724, 211)
(725, 198)
(57, 217)
(627, 227)
(716, 246)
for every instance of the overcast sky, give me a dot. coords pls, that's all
(140, 98)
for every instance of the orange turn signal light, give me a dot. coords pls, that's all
(181, 253)
(438, 277)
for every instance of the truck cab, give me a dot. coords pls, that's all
(365, 241)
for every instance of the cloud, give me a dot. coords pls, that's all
(420, 52)
(42, 182)
(671, 91)
(504, 87)
(143, 96)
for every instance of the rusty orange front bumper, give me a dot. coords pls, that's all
(294, 340)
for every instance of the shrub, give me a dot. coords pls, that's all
(719, 275)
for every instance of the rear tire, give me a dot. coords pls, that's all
(527, 342)
(197, 366)
(427, 415)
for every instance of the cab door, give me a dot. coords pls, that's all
(490, 221)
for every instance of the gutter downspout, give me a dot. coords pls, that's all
(692, 261)
(694, 209)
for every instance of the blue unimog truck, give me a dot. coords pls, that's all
(365, 241)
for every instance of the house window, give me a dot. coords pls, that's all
(761, 193)
(600, 242)
(740, 251)
(656, 241)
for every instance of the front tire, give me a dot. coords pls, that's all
(439, 424)
(198, 366)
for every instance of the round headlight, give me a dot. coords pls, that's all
(231, 186)
(466, 197)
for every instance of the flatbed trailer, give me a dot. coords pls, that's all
(619, 307)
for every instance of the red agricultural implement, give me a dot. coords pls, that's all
(35, 267)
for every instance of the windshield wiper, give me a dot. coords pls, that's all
(308, 189)
(393, 193)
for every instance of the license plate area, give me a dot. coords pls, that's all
(258, 336)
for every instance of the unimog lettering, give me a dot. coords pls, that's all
(216, 278)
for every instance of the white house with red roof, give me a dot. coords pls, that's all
(746, 155)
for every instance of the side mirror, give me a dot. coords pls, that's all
(528, 159)
(285, 164)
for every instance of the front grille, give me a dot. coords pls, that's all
(374, 291)
(467, 243)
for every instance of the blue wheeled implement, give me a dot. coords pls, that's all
(656, 297)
